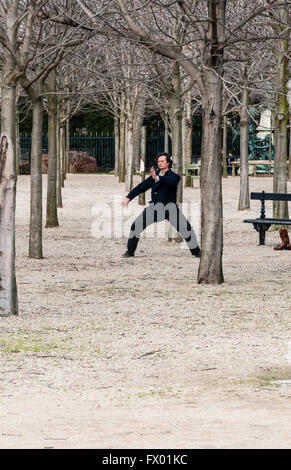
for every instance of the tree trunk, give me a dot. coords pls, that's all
(244, 196)
(224, 148)
(210, 268)
(166, 136)
(116, 146)
(280, 208)
(63, 153)
(8, 287)
(141, 197)
(188, 134)
(175, 112)
(177, 148)
(17, 140)
(59, 159)
(51, 208)
(137, 126)
(129, 154)
(122, 146)
(35, 230)
(67, 145)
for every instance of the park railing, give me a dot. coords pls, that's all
(101, 147)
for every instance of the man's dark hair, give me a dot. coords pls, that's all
(165, 154)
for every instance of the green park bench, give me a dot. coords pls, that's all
(192, 172)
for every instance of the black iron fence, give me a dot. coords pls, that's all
(101, 147)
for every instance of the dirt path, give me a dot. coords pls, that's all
(114, 353)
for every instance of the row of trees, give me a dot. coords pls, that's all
(134, 58)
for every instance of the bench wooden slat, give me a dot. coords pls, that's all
(271, 196)
(268, 221)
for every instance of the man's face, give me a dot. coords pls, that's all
(162, 163)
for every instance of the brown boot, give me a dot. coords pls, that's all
(285, 245)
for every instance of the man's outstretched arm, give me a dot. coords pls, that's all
(140, 188)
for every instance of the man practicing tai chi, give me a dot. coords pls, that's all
(162, 206)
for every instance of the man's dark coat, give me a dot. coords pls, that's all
(164, 190)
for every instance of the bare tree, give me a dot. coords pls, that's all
(8, 287)
(280, 21)
(28, 62)
(210, 86)
(212, 29)
(121, 90)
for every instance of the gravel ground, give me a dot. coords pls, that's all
(131, 353)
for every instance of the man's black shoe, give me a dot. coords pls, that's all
(196, 252)
(127, 255)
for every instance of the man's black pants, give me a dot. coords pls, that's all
(157, 213)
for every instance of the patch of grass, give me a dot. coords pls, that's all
(25, 342)
(160, 393)
(36, 344)
(271, 375)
